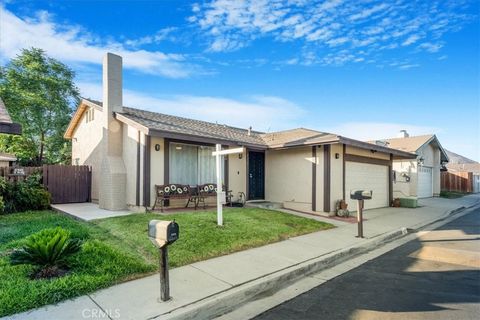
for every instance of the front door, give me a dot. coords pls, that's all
(256, 175)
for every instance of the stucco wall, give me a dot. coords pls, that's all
(156, 165)
(288, 177)
(130, 144)
(336, 175)
(86, 147)
(402, 187)
(320, 179)
(431, 158)
(237, 175)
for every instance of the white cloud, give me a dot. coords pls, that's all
(74, 44)
(263, 113)
(366, 131)
(328, 28)
(431, 47)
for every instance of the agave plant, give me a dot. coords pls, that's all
(48, 249)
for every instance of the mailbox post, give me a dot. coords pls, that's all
(162, 234)
(360, 196)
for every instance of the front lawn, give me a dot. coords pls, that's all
(201, 238)
(117, 249)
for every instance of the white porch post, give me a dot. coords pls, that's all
(221, 195)
(218, 158)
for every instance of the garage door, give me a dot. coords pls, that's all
(425, 189)
(367, 177)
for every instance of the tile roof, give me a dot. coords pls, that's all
(174, 124)
(168, 125)
(409, 144)
(294, 137)
(464, 167)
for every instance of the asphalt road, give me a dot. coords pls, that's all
(436, 276)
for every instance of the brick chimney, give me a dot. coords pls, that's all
(113, 177)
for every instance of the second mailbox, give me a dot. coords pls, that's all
(361, 195)
(163, 233)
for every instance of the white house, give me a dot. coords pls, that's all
(418, 177)
(132, 150)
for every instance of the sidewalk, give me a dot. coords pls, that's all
(212, 287)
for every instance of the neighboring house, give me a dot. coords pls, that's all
(6, 124)
(466, 169)
(132, 150)
(418, 177)
(7, 160)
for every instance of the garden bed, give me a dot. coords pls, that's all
(117, 249)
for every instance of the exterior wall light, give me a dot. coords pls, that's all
(337, 155)
(421, 161)
(240, 155)
(157, 147)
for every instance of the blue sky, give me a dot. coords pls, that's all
(364, 69)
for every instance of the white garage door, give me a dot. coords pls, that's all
(425, 189)
(367, 177)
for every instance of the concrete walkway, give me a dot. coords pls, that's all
(88, 211)
(208, 288)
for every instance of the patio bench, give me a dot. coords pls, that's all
(210, 190)
(167, 192)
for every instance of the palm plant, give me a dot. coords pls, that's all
(49, 250)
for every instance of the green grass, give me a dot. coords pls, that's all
(118, 249)
(201, 238)
(452, 194)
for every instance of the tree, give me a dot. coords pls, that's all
(40, 94)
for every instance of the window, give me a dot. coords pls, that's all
(192, 164)
(89, 115)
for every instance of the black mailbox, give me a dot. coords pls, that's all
(361, 195)
(163, 233)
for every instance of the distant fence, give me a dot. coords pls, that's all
(457, 181)
(66, 184)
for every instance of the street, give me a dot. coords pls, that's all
(436, 276)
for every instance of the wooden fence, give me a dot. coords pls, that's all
(456, 181)
(66, 184)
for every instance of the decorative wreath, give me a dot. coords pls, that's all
(216, 190)
(173, 187)
(210, 187)
(160, 192)
(185, 189)
(167, 189)
(179, 191)
(205, 188)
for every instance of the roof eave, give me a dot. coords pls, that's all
(82, 106)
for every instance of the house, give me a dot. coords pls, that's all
(6, 124)
(7, 160)
(132, 150)
(463, 169)
(419, 177)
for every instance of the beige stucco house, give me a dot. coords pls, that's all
(419, 177)
(132, 150)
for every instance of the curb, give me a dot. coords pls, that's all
(234, 297)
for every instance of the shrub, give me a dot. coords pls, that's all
(48, 250)
(23, 195)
